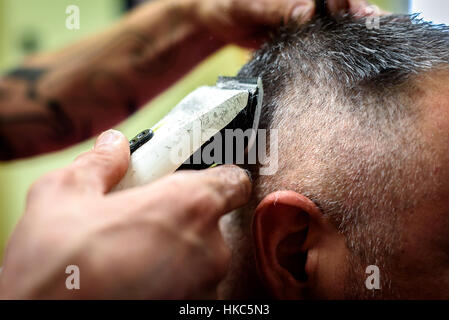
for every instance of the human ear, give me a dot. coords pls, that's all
(290, 234)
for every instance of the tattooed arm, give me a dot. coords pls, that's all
(60, 98)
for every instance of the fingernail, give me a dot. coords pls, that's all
(301, 12)
(248, 173)
(238, 173)
(108, 139)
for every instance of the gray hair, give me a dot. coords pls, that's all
(341, 95)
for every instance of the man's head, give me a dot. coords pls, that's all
(363, 133)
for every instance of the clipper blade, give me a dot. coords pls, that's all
(246, 120)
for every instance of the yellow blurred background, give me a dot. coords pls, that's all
(28, 26)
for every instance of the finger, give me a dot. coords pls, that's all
(298, 10)
(337, 6)
(102, 168)
(272, 13)
(362, 8)
(218, 190)
(188, 195)
(358, 7)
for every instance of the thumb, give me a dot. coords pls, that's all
(103, 167)
(299, 10)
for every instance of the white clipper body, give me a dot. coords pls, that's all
(196, 119)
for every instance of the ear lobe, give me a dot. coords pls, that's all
(281, 230)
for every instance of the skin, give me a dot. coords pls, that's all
(283, 220)
(146, 242)
(288, 225)
(423, 266)
(66, 96)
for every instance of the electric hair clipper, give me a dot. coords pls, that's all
(179, 138)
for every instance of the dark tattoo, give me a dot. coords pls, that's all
(66, 112)
(4, 94)
(62, 125)
(31, 76)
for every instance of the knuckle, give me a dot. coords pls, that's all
(199, 196)
(64, 178)
(173, 181)
(176, 183)
(95, 158)
(59, 178)
(182, 184)
(34, 191)
(52, 181)
(181, 177)
(101, 158)
(203, 202)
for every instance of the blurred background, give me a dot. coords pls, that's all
(28, 26)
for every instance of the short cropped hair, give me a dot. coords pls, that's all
(342, 95)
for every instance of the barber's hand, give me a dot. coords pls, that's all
(247, 22)
(156, 241)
